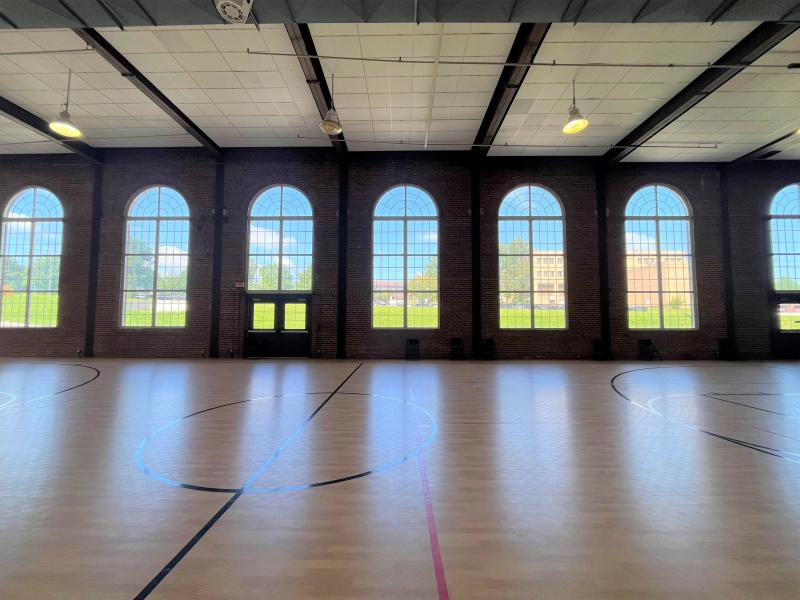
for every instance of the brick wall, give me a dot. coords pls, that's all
(125, 174)
(700, 186)
(447, 177)
(71, 179)
(573, 183)
(315, 172)
(751, 188)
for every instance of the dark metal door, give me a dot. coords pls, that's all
(278, 325)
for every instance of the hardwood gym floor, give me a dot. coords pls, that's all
(414, 480)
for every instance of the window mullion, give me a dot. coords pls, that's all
(658, 272)
(530, 271)
(30, 267)
(280, 252)
(154, 281)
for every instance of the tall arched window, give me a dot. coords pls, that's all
(784, 228)
(532, 270)
(30, 259)
(659, 260)
(156, 260)
(280, 241)
(405, 260)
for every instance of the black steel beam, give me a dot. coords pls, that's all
(304, 47)
(721, 10)
(761, 151)
(111, 14)
(757, 43)
(94, 260)
(216, 262)
(4, 17)
(524, 49)
(341, 262)
(31, 121)
(115, 58)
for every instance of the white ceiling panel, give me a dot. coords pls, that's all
(383, 104)
(105, 106)
(18, 139)
(615, 100)
(236, 98)
(750, 110)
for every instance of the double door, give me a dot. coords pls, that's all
(278, 325)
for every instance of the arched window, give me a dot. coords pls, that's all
(784, 229)
(30, 259)
(532, 269)
(405, 260)
(156, 260)
(280, 241)
(659, 260)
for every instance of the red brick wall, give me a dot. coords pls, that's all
(71, 179)
(315, 172)
(751, 188)
(700, 186)
(125, 174)
(573, 182)
(446, 177)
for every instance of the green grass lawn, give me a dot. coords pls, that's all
(43, 310)
(789, 322)
(545, 318)
(419, 317)
(674, 318)
(141, 318)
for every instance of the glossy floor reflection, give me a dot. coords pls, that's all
(415, 480)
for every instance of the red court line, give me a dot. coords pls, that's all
(433, 535)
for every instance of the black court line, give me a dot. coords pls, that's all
(148, 589)
(738, 442)
(64, 391)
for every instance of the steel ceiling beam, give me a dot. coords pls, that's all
(28, 119)
(303, 43)
(529, 39)
(764, 150)
(721, 10)
(757, 43)
(115, 58)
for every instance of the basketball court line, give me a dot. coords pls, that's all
(12, 402)
(148, 589)
(745, 444)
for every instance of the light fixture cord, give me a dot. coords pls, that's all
(333, 86)
(573, 93)
(69, 83)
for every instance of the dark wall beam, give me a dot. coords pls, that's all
(761, 151)
(94, 260)
(31, 121)
(341, 262)
(727, 265)
(216, 262)
(757, 43)
(304, 47)
(104, 48)
(475, 255)
(524, 49)
(602, 256)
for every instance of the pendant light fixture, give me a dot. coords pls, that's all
(575, 121)
(330, 124)
(63, 125)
